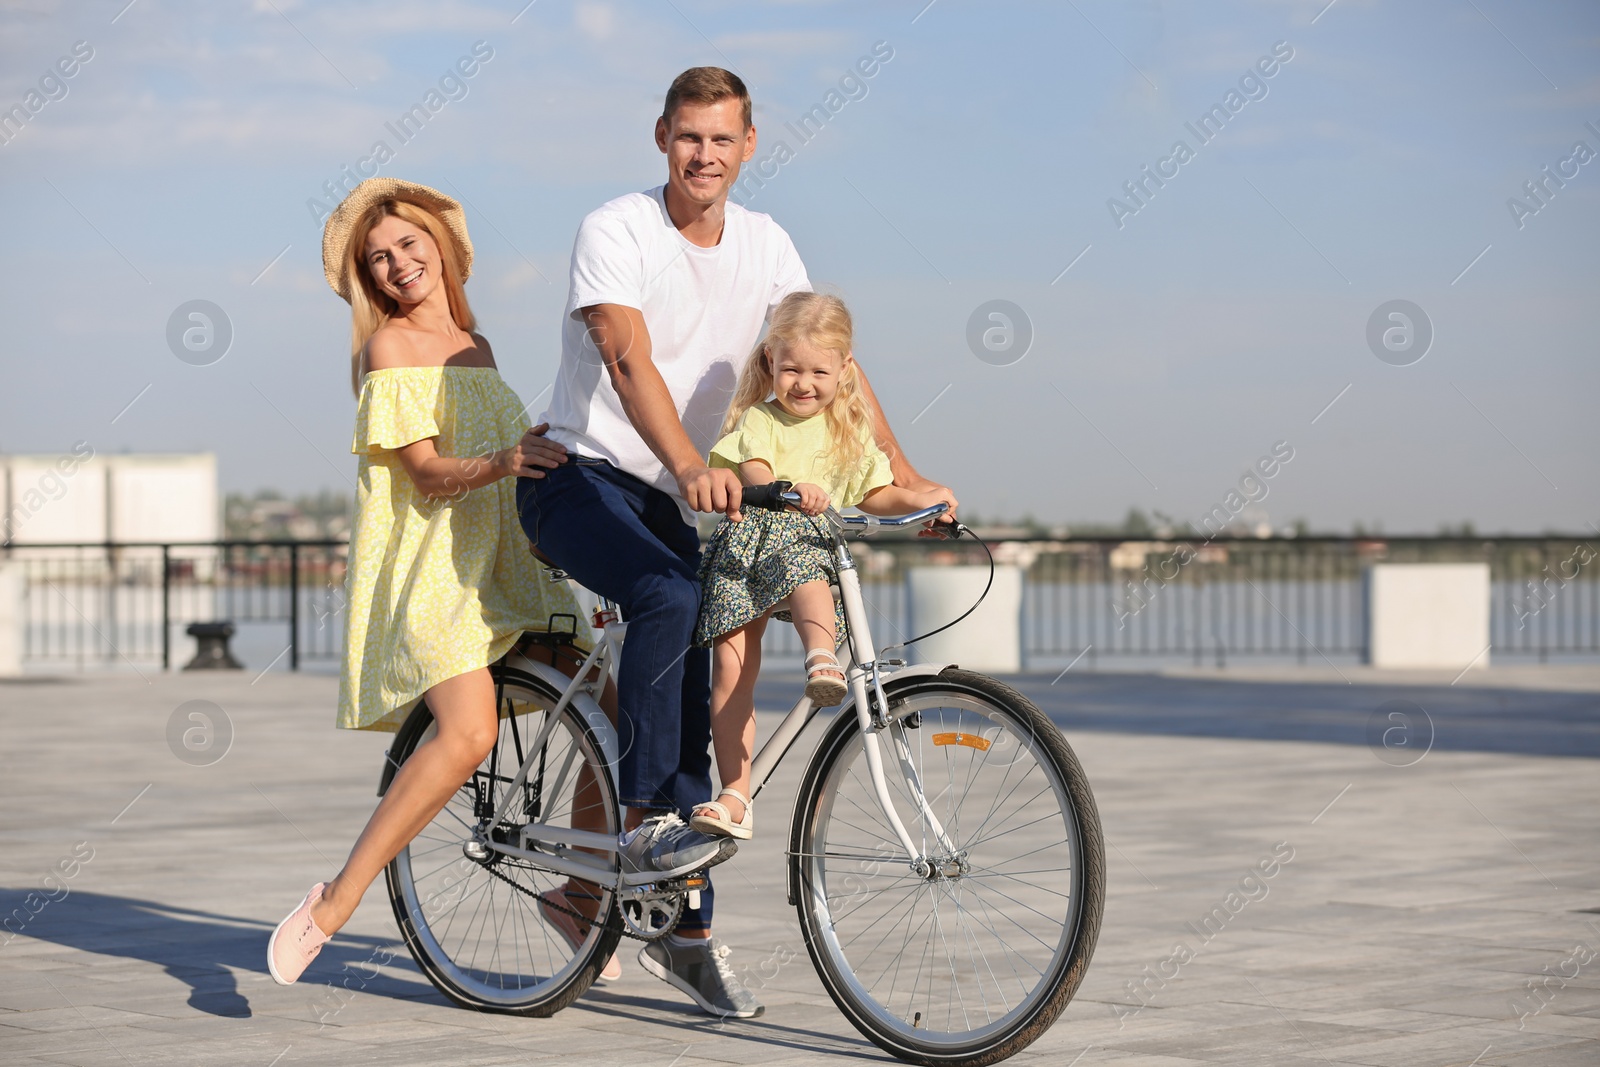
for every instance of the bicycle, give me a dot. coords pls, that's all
(945, 857)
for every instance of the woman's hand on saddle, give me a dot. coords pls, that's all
(533, 455)
(813, 501)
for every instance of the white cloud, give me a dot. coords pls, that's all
(594, 20)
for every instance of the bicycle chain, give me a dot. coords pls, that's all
(543, 902)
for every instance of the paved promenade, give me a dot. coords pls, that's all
(1436, 910)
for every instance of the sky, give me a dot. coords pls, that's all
(1151, 346)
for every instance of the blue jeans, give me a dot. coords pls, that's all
(627, 541)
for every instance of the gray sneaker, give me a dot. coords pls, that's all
(663, 846)
(702, 971)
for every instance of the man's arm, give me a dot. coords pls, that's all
(623, 341)
(905, 475)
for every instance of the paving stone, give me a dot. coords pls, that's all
(1418, 903)
(1572, 1054)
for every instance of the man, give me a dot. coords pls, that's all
(669, 290)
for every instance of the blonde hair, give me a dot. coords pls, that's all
(823, 322)
(370, 306)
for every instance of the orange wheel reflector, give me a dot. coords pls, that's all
(970, 740)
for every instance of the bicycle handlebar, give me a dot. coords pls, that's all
(775, 496)
(769, 496)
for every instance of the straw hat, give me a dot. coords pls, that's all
(336, 234)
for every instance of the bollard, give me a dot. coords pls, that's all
(212, 652)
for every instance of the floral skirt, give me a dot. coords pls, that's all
(749, 566)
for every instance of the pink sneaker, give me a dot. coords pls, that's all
(574, 935)
(296, 941)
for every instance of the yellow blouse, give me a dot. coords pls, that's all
(435, 587)
(796, 449)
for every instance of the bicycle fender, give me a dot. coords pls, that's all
(901, 675)
(604, 733)
(585, 704)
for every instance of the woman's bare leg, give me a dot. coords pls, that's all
(588, 813)
(463, 707)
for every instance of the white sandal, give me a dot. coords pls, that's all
(822, 691)
(722, 824)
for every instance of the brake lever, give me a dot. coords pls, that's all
(948, 531)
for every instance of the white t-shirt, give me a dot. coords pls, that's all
(704, 308)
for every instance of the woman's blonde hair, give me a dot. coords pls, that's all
(823, 322)
(370, 306)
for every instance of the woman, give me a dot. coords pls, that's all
(441, 581)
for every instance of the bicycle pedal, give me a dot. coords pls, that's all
(691, 885)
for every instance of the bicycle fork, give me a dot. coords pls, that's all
(872, 707)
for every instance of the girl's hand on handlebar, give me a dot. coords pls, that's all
(939, 494)
(813, 501)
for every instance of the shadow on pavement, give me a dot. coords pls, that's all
(602, 1001)
(1519, 721)
(199, 947)
(1516, 721)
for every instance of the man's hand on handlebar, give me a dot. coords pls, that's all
(712, 489)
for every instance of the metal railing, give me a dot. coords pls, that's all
(1222, 599)
(87, 604)
(1106, 597)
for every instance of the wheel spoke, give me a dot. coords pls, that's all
(978, 947)
(1024, 881)
(867, 927)
(477, 929)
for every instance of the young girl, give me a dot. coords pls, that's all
(441, 582)
(817, 433)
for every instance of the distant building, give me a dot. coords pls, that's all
(267, 516)
(79, 496)
(1131, 555)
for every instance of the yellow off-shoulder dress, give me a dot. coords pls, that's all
(435, 587)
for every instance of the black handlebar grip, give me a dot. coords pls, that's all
(769, 496)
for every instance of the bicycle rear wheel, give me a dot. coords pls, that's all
(971, 962)
(475, 925)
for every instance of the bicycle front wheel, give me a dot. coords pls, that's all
(472, 917)
(970, 961)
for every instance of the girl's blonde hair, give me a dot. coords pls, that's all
(371, 307)
(823, 322)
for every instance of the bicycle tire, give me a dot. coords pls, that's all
(959, 727)
(527, 968)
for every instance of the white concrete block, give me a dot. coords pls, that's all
(12, 618)
(156, 497)
(1428, 614)
(55, 498)
(990, 639)
(79, 496)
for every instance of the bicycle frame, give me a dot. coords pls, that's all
(558, 848)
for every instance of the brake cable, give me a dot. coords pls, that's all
(960, 528)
